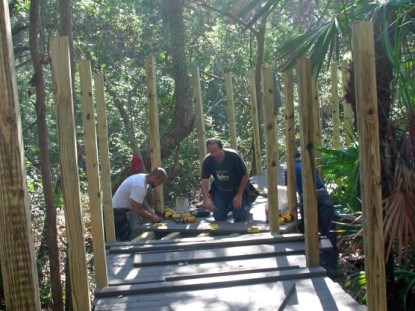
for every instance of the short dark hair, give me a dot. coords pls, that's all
(159, 172)
(214, 141)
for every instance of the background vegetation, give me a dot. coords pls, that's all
(217, 36)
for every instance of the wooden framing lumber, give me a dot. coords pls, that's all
(308, 161)
(105, 160)
(17, 257)
(154, 127)
(61, 74)
(370, 178)
(92, 172)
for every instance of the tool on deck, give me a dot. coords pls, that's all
(186, 220)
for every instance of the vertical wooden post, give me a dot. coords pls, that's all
(290, 143)
(231, 111)
(347, 108)
(18, 263)
(255, 122)
(317, 121)
(370, 179)
(271, 149)
(92, 172)
(105, 160)
(154, 127)
(335, 106)
(200, 120)
(61, 73)
(308, 162)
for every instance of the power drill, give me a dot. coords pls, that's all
(186, 220)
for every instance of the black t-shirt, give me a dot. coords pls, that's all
(227, 174)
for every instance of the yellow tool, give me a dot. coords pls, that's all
(186, 219)
(287, 217)
(253, 229)
(180, 216)
(281, 221)
(168, 214)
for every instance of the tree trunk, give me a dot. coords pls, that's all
(183, 117)
(51, 230)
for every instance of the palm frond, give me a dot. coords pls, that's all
(399, 211)
(318, 43)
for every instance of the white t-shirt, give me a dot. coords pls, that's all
(133, 189)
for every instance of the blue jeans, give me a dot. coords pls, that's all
(223, 205)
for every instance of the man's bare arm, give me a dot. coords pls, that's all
(237, 200)
(207, 203)
(144, 211)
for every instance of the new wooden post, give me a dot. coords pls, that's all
(61, 74)
(308, 162)
(316, 121)
(255, 122)
(200, 120)
(105, 160)
(271, 149)
(290, 143)
(92, 172)
(370, 179)
(18, 263)
(154, 127)
(335, 106)
(347, 108)
(231, 110)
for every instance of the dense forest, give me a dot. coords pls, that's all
(217, 36)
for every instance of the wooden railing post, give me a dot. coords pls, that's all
(271, 149)
(154, 127)
(18, 263)
(255, 122)
(231, 110)
(92, 172)
(200, 120)
(335, 106)
(105, 160)
(308, 162)
(370, 178)
(61, 74)
(347, 108)
(290, 143)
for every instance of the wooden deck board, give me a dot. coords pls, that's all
(210, 282)
(121, 269)
(247, 239)
(218, 254)
(316, 293)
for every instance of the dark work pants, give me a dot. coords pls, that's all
(223, 203)
(325, 207)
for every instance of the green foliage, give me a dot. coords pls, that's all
(356, 283)
(406, 282)
(341, 171)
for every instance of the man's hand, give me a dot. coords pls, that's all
(237, 201)
(208, 205)
(155, 218)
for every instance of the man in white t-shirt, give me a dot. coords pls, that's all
(130, 197)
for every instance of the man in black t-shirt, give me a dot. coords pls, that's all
(230, 177)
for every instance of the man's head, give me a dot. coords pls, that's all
(215, 149)
(157, 177)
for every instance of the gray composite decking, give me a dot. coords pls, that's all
(248, 272)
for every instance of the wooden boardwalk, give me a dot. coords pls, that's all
(257, 221)
(248, 272)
